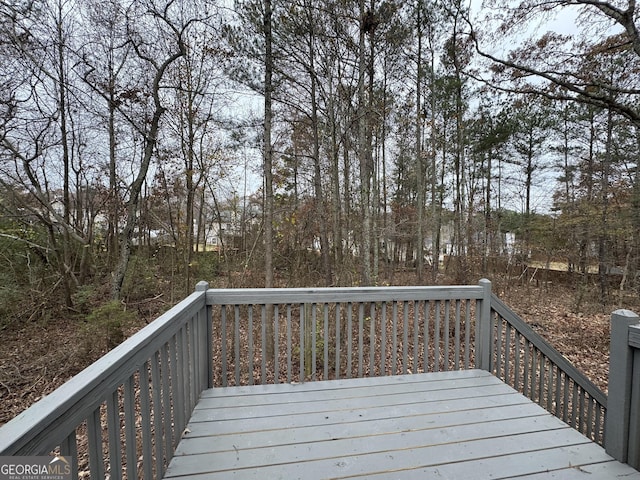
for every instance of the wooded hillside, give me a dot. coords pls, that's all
(146, 145)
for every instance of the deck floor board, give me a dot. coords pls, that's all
(456, 425)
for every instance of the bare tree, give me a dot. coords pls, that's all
(172, 29)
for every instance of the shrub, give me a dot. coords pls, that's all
(106, 327)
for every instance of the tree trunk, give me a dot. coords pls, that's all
(363, 154)
(268, 167)
(66, 265)
(420, 176)
(317, 174)
(604, 214)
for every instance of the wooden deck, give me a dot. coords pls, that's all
(455, 425)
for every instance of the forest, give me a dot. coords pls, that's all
(149, 144)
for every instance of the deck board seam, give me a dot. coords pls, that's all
(364, 382)
(347, 409)
(569, 467)
(346, 398)
(380, 434)
(366, 420)
(366, 475)
(378, 452)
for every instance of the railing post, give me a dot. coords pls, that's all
(207, 329)
(483, 328)
(621, 425)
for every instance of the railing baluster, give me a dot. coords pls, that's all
(507, 353)
(289, 333)
(325, 337)
(223, 343)
(394, 344)
(516, 361)
(541, 382)
(582, 415)
(467, 334)
(549, 385)
(446, 333)
(69, 449)
(314, 340)
(166, 402)
(427, 315)
(145, 413)
(360, 338)
(456, 339)
(558, 390)
(349, 339)
(113, 426)
(250, 344)
(263, 343)
(186, 375)
(95, 452)
(436, 338)
(130, 429)
(575, 402)
(276, 344)
(498, 347)
(416, 337)
(338, 339)
(194, 360)
(383, 338)
(589, 417)
(236, 346)
(158, 412)
(372, 340)
(527, 370)
(405, 335)
(565, 405)
(597, 436)
(176, 387)
(534, 373)
(302, 343)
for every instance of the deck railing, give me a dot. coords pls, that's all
(333, 333)
(125, 414)
(276, 335)
(623, 415)
(525, 361)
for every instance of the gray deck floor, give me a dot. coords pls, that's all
(456, 425)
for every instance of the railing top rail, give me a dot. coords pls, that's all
(43, 424)
(547, 350)
(258, 296)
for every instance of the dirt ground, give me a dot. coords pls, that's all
(37, 358)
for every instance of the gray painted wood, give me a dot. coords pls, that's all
(540, 369)
(257, 296)
(546, 349)
(456, 424)
(483, 327)
(130, 428)
(94, 434)
(174, 357)
(42, 427)
(620, 385)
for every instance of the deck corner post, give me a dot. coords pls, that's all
(483, 328)
(621, 425)
(207, 342)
